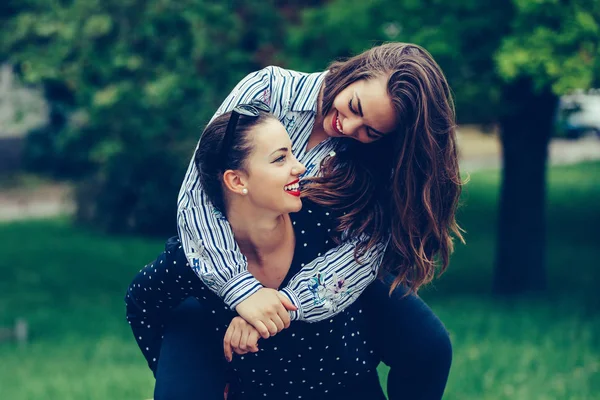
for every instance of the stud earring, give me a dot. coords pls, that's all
(244, 191)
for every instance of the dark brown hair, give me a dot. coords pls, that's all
(207, 158)
(407, 183)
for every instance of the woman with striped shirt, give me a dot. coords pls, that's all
(397, 185)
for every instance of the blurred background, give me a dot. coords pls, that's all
(101, 105)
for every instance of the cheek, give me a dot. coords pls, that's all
(268, 182)
(338, 104)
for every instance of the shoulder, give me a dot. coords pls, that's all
(283, 89)
(284, 73)
(271, 82)
(290, 80)
(274, 75)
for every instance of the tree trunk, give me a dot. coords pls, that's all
(525, 134)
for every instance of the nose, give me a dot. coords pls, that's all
(351, 126)
(298, 169)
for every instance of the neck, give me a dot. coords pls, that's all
(258, 233)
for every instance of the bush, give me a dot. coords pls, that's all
(142, 77)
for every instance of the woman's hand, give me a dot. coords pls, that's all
(267, 311)
(240, 337)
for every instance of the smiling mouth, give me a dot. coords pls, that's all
(293, 188)
(336, 124)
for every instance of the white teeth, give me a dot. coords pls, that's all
(337, 124)
(291, 188)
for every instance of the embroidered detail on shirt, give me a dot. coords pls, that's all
(265, 96)
(195, 254)
(218, 213)
(210, 281)
(289, 122)
(328, 296)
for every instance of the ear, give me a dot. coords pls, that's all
(234, 181)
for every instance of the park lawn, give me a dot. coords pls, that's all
(68, 283)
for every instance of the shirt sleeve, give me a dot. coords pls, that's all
(330, 283)
(205, 234)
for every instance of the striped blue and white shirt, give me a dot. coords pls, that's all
(323, 287)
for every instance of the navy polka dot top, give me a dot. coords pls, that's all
(330, 359)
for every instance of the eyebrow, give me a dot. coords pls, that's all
(360, 111)
(279, 149)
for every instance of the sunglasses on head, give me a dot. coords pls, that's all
(247, 110)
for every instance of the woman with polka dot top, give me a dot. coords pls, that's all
(255, 184)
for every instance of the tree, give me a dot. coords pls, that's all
(507, 63)
(136, 82)
(554, 47)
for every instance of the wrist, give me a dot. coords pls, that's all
(294, 315)
(239, 288)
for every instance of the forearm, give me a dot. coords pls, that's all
(205, 234)
(332, 282)
(222, 267)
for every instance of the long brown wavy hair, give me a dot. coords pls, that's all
(406, 184)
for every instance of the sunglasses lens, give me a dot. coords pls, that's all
(261, 105)
(247, 110)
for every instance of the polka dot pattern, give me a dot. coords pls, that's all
(317, 360)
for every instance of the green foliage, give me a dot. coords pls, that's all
(462, 36)
(554, 42)
(140, 79)
(132, 82)
(480, 45)
(506, 61)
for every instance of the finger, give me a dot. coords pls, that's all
(244, 339)
(253, 341)
(240, 351)
(235, 338)
(278, 322)
(286, 302)
(262, 329)
(271, 327)
(285, 318)
(227, 344)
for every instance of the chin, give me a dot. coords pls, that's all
(296, 208)
(328, 130)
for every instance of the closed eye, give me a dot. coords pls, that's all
(373, 135)
(279, 159)
(352, 108)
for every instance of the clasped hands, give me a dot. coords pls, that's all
(263, 314)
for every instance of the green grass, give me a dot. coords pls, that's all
(68, 283)
(523, 350)
(573, 233)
